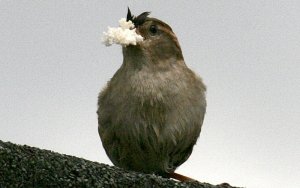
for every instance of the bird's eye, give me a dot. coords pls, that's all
(153, 29)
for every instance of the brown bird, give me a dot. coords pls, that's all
(151, 112)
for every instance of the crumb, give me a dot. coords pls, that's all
(124, 34)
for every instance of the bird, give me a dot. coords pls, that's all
(151, 111)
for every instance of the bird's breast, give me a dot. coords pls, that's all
(156, 86)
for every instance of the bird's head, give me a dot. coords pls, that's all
(160, 44)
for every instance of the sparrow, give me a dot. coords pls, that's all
(151, 112)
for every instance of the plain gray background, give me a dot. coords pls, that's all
(53, 65)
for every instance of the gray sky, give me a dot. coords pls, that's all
(53, 65)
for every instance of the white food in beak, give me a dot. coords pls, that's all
(124, 35)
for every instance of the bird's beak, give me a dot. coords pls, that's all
(129, 15)
(135, 20)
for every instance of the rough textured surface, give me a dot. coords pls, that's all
(24, 166)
